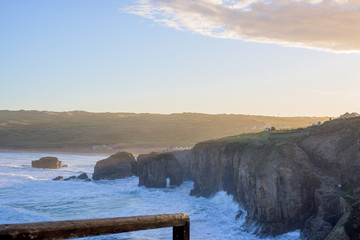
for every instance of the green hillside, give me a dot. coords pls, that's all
(36, 129)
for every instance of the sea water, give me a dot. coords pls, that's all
(30, 195)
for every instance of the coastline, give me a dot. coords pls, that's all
(80, 150)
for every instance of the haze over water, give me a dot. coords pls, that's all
(29, 195)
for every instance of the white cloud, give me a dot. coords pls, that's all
(326, 24)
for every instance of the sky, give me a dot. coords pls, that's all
(278, 58)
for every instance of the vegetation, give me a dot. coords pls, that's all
(40, 129)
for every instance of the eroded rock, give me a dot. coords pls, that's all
(119, 165)
(348, 227)
(83, 176)
(153, 169)
(70, 178)
(47, 162)
(330, 207)
(58, 178)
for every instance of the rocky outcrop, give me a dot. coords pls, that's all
(284, 183)
(153, 169)
(348, 227)
(58, 178)
(47, 162)
(349, 115)
(330, 206)
(334, 150)
(70, 178)
(119, 165)
(82, 176)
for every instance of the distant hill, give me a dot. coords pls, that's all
(42, 129)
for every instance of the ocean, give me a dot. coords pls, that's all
(30, 195)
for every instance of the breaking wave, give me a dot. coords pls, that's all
(29, 195)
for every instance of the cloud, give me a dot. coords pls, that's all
(324, 24)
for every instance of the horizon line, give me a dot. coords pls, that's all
(172, 113)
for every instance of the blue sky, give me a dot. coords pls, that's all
(103, 56)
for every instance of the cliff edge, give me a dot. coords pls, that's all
(300, 179)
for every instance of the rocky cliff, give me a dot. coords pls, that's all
(183, 157)
(297, 179)
(348, 227)
(286, 180)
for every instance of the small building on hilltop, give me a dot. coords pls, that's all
(272, 128)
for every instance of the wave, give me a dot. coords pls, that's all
(22, 175)
(25, 200)
(14, 166)
(11, 215)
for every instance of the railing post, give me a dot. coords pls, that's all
(182, 232)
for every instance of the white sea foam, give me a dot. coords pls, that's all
(20, 176)
(13, 166)
(29, 195)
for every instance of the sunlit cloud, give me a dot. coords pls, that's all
(324, 24)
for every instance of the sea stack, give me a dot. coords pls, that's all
(119, 165)
(153, 169)
(47, 162)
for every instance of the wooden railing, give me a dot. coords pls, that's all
(92, 227)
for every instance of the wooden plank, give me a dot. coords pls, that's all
(90, 227)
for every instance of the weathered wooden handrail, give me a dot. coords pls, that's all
(92, 227)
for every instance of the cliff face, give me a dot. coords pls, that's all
(277, 193)
(348, 227)
(285, 180)
(183, 158)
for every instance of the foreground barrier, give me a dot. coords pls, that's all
(93, 227)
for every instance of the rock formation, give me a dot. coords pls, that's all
(70, 178)
(119, 165)
(348, 227)
(83, 176)
(58, 178)
(285, 180)
(349, 115)
(153, 169)
(277, 193)
(298, 179)
(47, 162)
(183, 157)
(330, 206)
